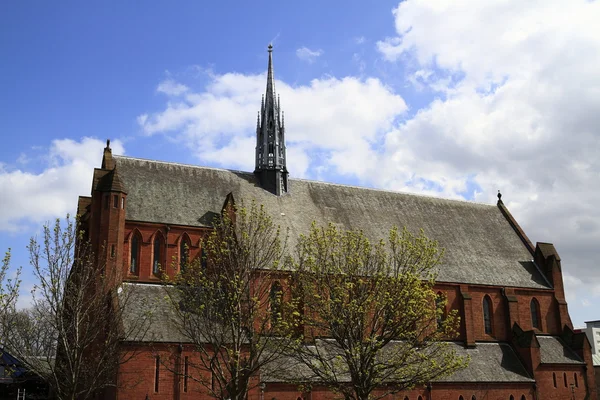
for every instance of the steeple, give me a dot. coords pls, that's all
(270, 139)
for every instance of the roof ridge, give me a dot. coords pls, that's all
(314, 181)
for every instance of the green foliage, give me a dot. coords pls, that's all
(376, 305)
(225, 304)
(9, 286)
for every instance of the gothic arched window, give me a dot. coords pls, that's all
(535, 314)
(275, 298)
(512, 397)
(523, 397)
(565, 378)
(184, 252)
(575, 378)
(487, 315)
(134, 250)
(440, 305)
(158, 252)
(554, 379)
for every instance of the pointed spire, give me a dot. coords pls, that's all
(270, 76)
(270, 142)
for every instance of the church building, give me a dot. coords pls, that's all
(509, 293)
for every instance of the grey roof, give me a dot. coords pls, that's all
(554, 351)
(481, 246)
(490, 362)
(147, 314)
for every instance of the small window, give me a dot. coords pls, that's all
(473, 397)
(523, 397)
(440, 305)
(461, 398)
(158, 247)
(123, 203)
(106, 201)
(112, 251)
(134, 249)
(420, 397)
(185, 374)
(115, 201)
(203, 259)
(184, 252)
(275, 298)
(405, 397)
(554, 379)
(565, 378)
(512, 397)
(535, 314)
(487, 315)
(156, 373)
(575, 379)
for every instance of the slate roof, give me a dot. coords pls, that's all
(490, 362)
(554, 351)
(481, 246)
(150, 302)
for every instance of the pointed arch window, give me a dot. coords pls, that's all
(440, 304)
(487, 315)
(203, 259)
(275, 297)
(158, 253)
(575, 378)
(565, 378)
(134, 250)
(523, 397)
(554, 379)
(535, 314)
(461, 398)
(512, 397)
(184, 252)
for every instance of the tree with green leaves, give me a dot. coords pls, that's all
(376, 324)
(9, 288)
(71, 336)
(230, 303)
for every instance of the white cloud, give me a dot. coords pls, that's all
(29, 197)
(519, 113)
(306, 54)
(171, 88)
(342, 118)
(360, 40)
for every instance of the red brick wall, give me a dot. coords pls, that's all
(545, 381)
(548, 312)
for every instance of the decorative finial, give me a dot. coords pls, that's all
(270, 48)
(499, 196)
(108, 143)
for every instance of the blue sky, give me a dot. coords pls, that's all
(453, 99)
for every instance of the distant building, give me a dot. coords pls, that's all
(515, 324)
(16, 378)
(592, 331)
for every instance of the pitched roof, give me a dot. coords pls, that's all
(481, 246)
(489, 362)
(554, 351)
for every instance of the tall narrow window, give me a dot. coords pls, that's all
(440, 307)
(123, 202)
(203, 259)
(473, 397)
(134, 249)
(158, 247)
(523, 397)
(461, 398)
(275, 299)
(565, 378)
(184, 252)
(512, 397)
(115, 201)
(185, 374)
(535, 313)
(420, 398)
(575, 379)
(156, 373)
(487, 314)
(554, 379)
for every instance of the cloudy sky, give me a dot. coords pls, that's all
(449, 98)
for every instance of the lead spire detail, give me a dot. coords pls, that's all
(270, 166)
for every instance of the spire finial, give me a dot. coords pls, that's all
(499, 195)
(270, 47)
(108, 143)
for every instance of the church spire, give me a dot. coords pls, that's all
(270, 139)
